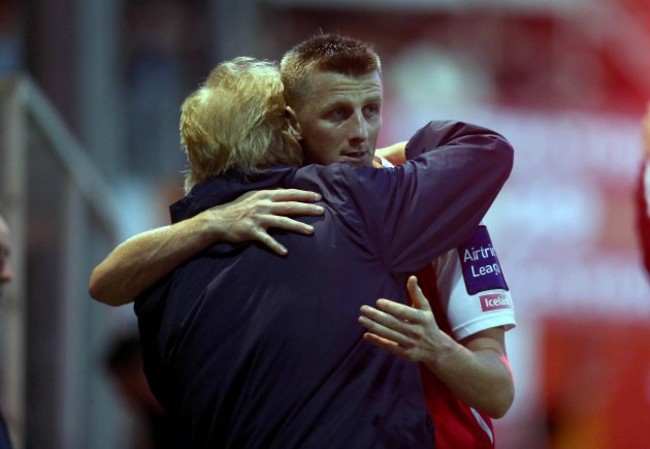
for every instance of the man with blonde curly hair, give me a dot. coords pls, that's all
(237, 119)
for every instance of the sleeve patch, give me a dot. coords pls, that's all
(494, 301)
(481, 268)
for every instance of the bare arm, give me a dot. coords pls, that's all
(142, 260)
(395, 153)
(477, 371)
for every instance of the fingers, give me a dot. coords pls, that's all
(293, 195)
(415, 293)
(383, 332)
(296, 208)
(290, 202)
(391, 324)
(400, 311)
(396, 327)
(266, 209)
(271, 243)
(385, 344)
(287, 224)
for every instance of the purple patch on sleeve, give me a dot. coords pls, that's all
(481, 268)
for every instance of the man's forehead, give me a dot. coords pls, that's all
(324, 90)
(332, 83)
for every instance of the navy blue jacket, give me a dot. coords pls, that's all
(250, 350)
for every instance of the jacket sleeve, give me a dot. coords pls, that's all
(643, 214)
(417, 211)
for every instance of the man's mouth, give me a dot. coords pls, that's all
(356, 158)
(354, 155)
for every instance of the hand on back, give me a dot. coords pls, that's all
(250, 216)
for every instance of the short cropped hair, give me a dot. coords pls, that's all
(325, 53)
(237, 119)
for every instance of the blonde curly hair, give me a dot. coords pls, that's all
(237, 119)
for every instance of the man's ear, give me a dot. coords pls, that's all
(292, 121)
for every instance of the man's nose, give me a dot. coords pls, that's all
(358, 127)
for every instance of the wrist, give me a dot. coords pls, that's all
(443, 354)
(208, 229)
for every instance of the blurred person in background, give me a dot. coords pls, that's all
(6, 274)
(483, 350)
(643, 193)
(153, 428)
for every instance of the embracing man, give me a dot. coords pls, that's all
(337, 107)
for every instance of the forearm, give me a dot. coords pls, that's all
(482, 378)
(453, 176)
(142, 260)
(476, 369)
(395, 153)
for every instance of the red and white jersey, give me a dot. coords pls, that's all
(468, 294)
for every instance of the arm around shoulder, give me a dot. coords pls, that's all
(142, 260)
(440, 195)
(476, 139)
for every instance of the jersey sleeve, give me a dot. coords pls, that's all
(472, 289)
(432, 203)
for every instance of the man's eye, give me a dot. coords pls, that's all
(336, 114)
(372, 109)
